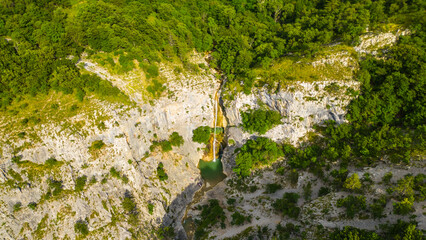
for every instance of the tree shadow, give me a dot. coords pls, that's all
(176, 211)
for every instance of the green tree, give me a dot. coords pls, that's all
(403, 207)
(201, 134)
(161, 173)
(81, 227)
(352, 182)
(80, 183)
(260, 120)
(176, 139)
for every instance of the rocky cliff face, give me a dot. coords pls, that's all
(127, 133)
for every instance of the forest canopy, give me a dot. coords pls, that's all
(240, 34)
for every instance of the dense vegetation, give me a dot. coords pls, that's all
(161, 173)
(260, 120)
(256, 153)
(167, 145)
(41, 42)
(242, 34)
(211, 214)
(201, 134)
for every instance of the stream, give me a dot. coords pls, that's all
(211, 171)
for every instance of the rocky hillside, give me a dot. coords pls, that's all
(103, 169)
(83, 168)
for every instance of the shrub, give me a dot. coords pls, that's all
(353, 204)
(81, 227)
(238, 219)
(287, 205)
(352, 182)
(17, 159)
(152, 71)
(93, 180)
(150, 208)
(176, 139)
(211, 214)
(114, 172)
(51, 162)
(126, 62)
(128, 202)
(17, 206)
(130, 208)
(15, 175)
(166, 146)
(96, 145)
(32, 205)
(387, 178)
(161, 174)
(403, 230)
(323, 191)
(80, 183)
(55, 186)
(273, 187)
(73, 108)
(156, 89)
(260, 120)
(231, 201)
(378, 207)
(307, 191)
(256, 153)
(21, 135)
(201, 134)
(403, 207)
(285, 232)
(353, 233)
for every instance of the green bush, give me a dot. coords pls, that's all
(17, 159)
(17, 206)
(56, 187)
(354, 233)
(201, 134)
(130, 208)
(156, 88)
(353, 205)
(238, 219)
(176, 139)
(323, 191)
(81, 227)
(211, 214)
(260, 121)
(126, 62)
(51, 162)
(273, 187)
(114, 173)
(150, 208)
(403, 207)
(32, 205)
(285, 232)
(378, 207)
(152, 71)
(161, 174)
(80, 183)
(15, 175)
(231, 201)
(22, 135)
(403, 230)
(96, 145)
(256, 153)
(166, 146)
(287, 205)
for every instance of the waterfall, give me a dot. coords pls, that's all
(214, 129)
